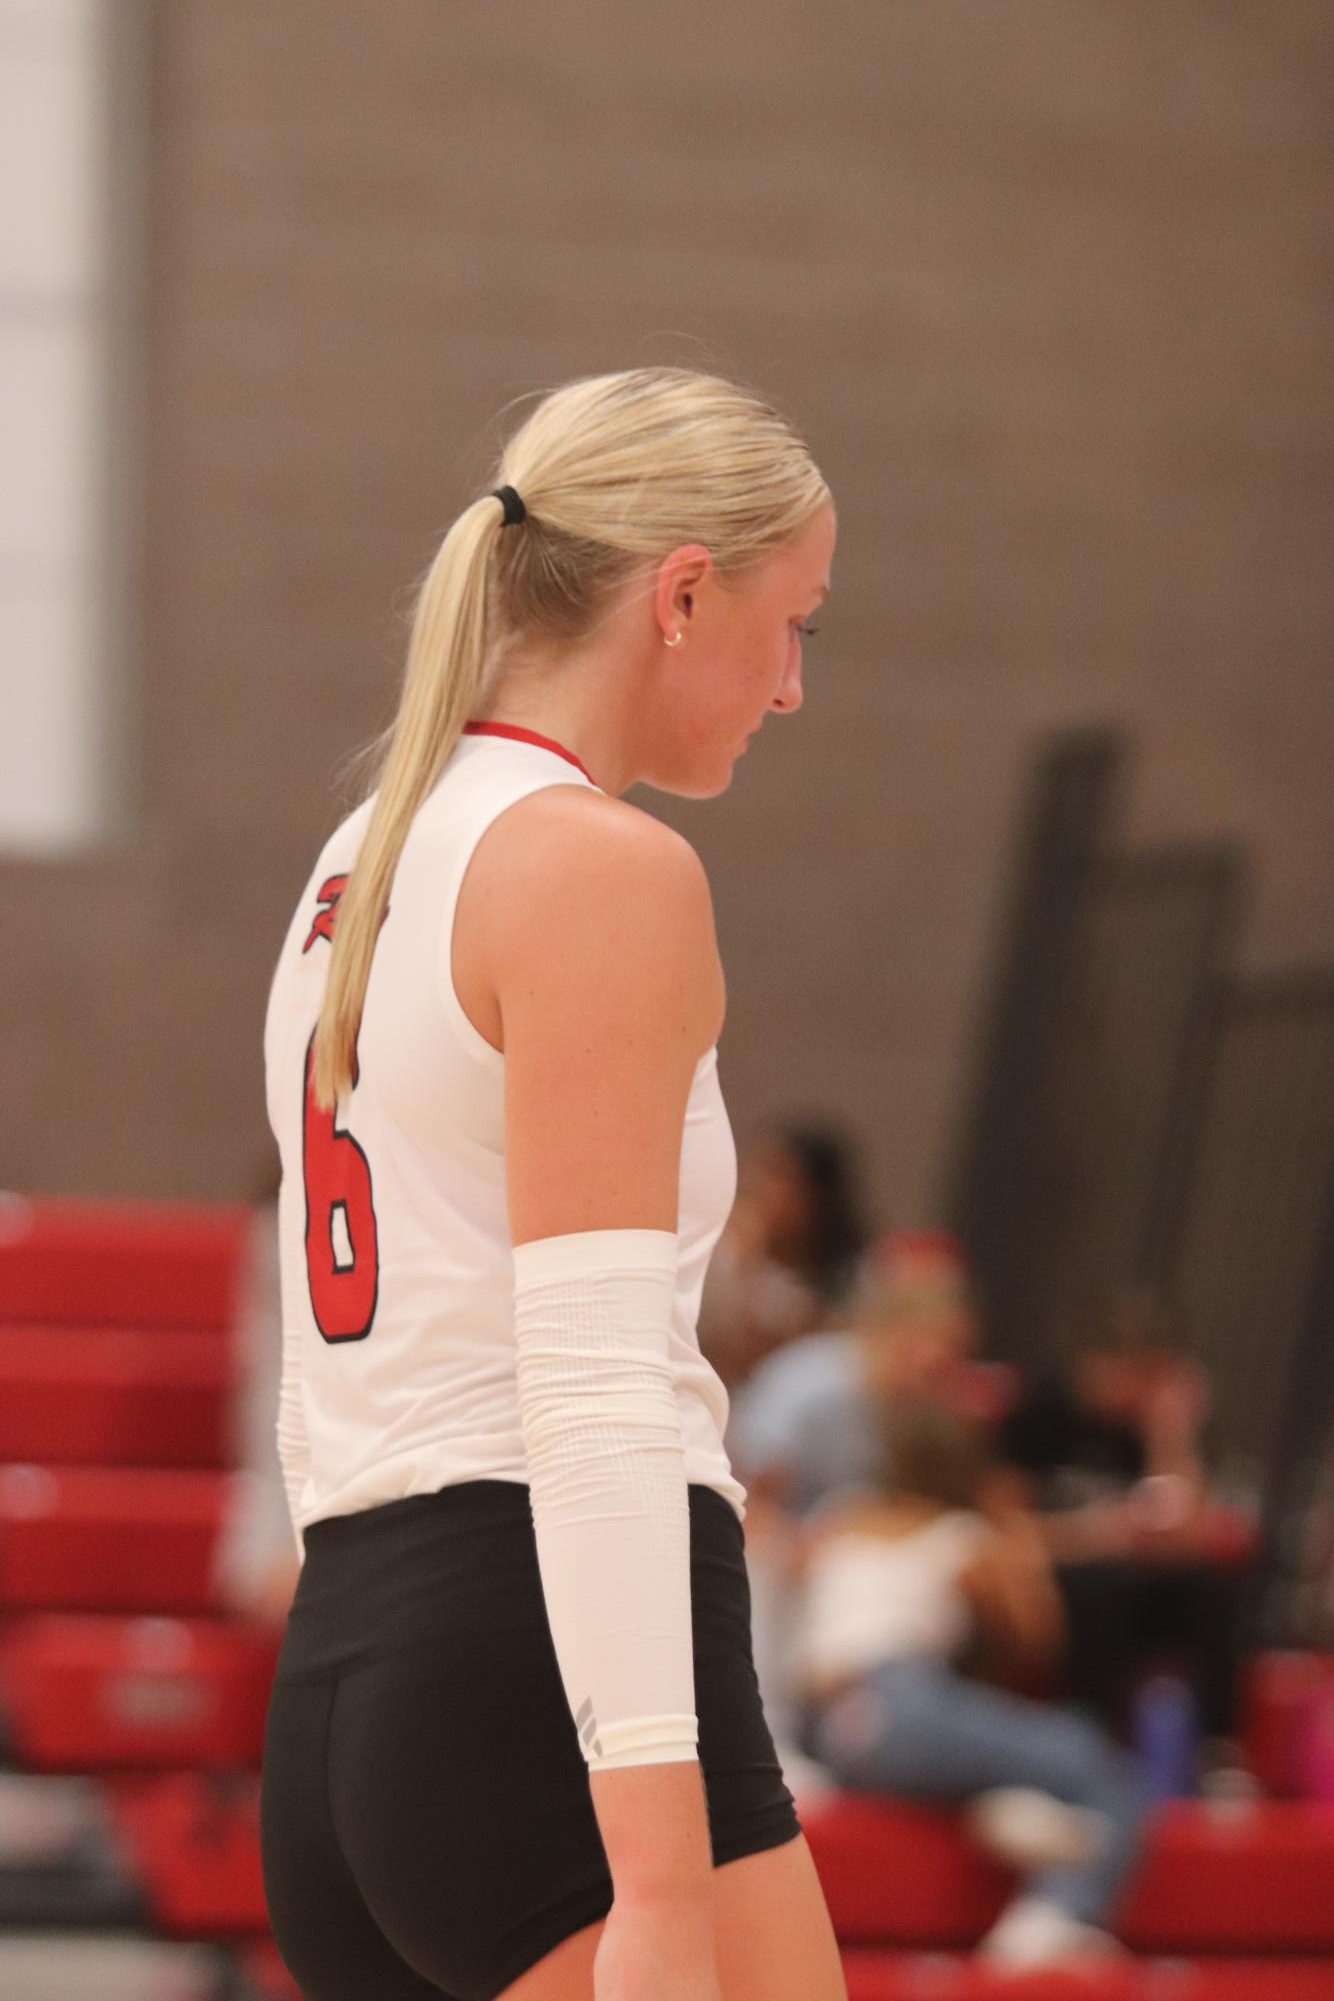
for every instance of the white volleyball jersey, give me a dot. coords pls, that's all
(399, 1362)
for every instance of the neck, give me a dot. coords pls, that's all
(582, 703)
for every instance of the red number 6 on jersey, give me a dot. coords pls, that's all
(342, 1243)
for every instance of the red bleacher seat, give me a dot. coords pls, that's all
(877, 1976)
(1281, 1691)
(114, 1397)
(1239, 1879)
(901, 1874)
(263, 1967)
(195, 1852)
(109, 1539)
(120, 1264)
(85, 1693)
(1247, 1878)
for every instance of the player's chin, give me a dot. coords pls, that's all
(703, 779)
(715, 783)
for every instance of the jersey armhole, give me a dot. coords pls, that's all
(465, 1030)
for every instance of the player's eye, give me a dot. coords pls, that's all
(804, 631)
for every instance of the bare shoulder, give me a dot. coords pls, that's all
(564, 839)
(572, 886)
(595, 927)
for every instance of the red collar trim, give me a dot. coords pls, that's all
(518, 735)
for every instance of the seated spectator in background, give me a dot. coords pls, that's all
(790, 1257)
(899, 1581)
(1110, 1451)
(807, 1423)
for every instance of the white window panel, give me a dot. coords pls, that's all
(50, 137)
(52, 767)
(28, 20)
(51, 418)
(64, 615)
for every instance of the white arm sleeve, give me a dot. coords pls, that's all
(606, 1465)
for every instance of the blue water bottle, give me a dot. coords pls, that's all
(1165, 1732)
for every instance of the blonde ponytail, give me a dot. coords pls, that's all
(446, 659)
(614, 471)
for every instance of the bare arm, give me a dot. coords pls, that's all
(1174, 1414)
(606, 972)
(1014, 1596)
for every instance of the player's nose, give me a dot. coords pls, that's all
(789, 697)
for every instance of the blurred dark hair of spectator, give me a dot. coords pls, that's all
(802, 1179)
(789, 1259)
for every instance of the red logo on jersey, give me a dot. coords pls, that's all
(323, 926)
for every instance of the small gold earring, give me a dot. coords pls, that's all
(674, 642)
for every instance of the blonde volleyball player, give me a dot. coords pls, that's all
(515, 1744)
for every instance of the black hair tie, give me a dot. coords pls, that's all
(515, 511)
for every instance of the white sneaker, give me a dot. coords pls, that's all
(1032, 1830)
(1033, 1932)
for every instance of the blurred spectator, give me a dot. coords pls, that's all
(808, 1421)
(808, 1424)
(1127, 1408)
(1150, 1564)
(790, 1257)
(898, 1581)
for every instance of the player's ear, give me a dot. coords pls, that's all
(679, 577)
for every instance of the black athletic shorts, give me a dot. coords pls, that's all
(428, 1827)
